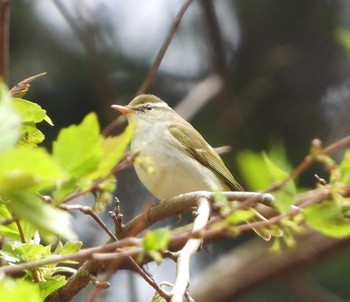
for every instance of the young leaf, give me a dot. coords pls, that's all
(254, 170)
(31, 112)
(327, 218)
(78, 147)
(156, 240)
(259, 172)
(345, 168)
(10, 121)
(16, 290)
(113, 149)
(28, 205)
(51, 284)
(26, 252)
(71, 247)
(28, 168)
(239, 216)
(30, 135)
(286, 195)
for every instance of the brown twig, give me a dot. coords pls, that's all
(4, 38)
(307, 162)
(21, 88)
(88, 211)
(153, 71)
(214, 33)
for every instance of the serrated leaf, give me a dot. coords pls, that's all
(11, 230)
(239, 216)
(26, 252)
(51, 284)
(156, 240)
(28, 168)
(71, 247)
(31, 112)
(10, 121)
(15, 290)
(47, 219)
(286, 195)
(253, 170)
(327, 218)
(345, 168)
(78, 147)
(30, 135)
(113, 149)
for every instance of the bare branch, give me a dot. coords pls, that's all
(88, 211)
(4, 38)
(308, 161)
(153, 71)
(181, 203)
(21, 88)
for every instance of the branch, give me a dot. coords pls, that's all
(190, 248)
(4, 38)
(309, 160)
(153, 71)
(238, 275)
(182, 203)
(152, 215)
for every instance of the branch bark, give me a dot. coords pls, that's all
(4, 38)
(251, 264)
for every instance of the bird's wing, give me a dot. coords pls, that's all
(196, 147)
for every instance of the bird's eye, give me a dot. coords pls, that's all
(148, 107)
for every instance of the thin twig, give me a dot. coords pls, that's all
(20, 231)
(88, 211)
(21, 88)
(7, 221)
(153, 71)
(4, 38)
(307, 162)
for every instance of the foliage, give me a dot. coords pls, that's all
(30, 176)
(35, 182)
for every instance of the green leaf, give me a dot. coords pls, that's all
(286, 195)
(345, 168)
(51, 284)
(31, 112)
(239, 216)
(78, 147)
(30, 135)
(259, 172)
(328, 218)
(29, 206)
(254, 170)
(26, 252)
(28, 169)
(11, 230)
(10, 121)
(342, 36)
(71, 247)
(156, 240)
(113, 149)
(19, 290)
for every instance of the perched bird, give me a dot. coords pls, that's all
(170, 156)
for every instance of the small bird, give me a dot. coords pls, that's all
(170, 156)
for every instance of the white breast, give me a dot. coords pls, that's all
(164, 169)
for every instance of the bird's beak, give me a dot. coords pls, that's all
(123, 109)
